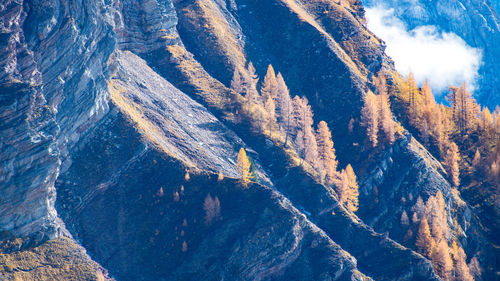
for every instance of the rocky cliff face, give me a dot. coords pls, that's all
(28, 135)
(475, 21)
(117, 114)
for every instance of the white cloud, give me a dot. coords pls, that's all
(442, 58)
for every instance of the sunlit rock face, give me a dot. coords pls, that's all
(475, 21)
(53, 63)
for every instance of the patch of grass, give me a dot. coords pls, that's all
(59, 259)
(210, 90)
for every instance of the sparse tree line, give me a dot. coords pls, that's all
(464, 135)
(290, 122)
(466, 138)
(433, 237)
(376, 114)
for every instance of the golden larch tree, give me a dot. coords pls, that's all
(326, 152)
(486, 118)
(495, 170)
(427, 94)
(220, 176)
(436, 213)
(270, 95)
(284, 106)
(270, 117)
(424, 242)
(486, 124)
(461, 269)
(252, 79)
(425, 133)
(301, 128)
(244, 167)
(475, 268)
(442, 261)
(451, 164)
(464, 106)
(269, 87)
(441, 137)
(352, 192)
(342, 187)
(419, 208)
(496, 126)
(412, 90)
(380, 83)
(448, 126)
(296, 117)
(387, 124)
(370, 117)
(211, 206)
(237, 83)
(404, 219)
(311, 148)
(429, 119)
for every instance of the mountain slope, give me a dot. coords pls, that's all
(118, 195)
(137, 119)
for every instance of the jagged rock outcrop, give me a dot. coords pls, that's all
(54, 45)
(30, 162)
(28, 135)
(144, 26)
